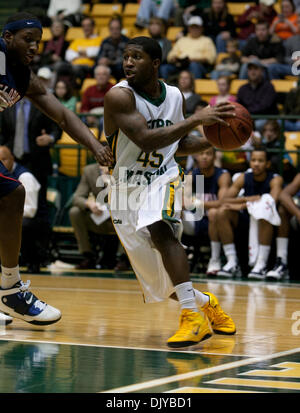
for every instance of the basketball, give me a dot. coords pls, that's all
(233, 136)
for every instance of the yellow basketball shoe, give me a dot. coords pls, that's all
(221, 322)
(193, 328)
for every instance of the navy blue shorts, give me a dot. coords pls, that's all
(7, 182)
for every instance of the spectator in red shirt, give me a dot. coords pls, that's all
(93, 97)
(264, 11)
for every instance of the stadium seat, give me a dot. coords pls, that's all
(47, 35)
(236, 84)
(102, 13)
(74, 33)
(69, 157)
(283, 85)
(129, 14)
(237, 9)
(292, 143)
(87, 83)
(139, 32)
(206, 88)
(173, 32)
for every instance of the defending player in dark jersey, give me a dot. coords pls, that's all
(19, 44)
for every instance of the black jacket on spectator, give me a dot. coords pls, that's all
(39, 159)
(214, 25)
(265, 50)
(261, 100)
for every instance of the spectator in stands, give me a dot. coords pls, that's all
(292, 107)
(46, 77)
(157, 29)
(82, 52)
(194, 52)
(53, 55)
(186, 8)
(233, 214)
(263, 11)
(112, 48)
(224, 95)
(35, 226)
(216, 183)
(69, 11)
(149, 8)
(88, 215)
(186, 85)
(264, 47)
(285, 24)
(219, 24)
(258, 94)
(64, 93)
(291, 45)
(230, 64)
(93, 97)
(272, 139)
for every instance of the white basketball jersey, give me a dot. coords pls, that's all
(159, 113)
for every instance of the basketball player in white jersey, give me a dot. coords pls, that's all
(145, 126)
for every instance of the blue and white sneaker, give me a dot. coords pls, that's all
(19, 302)
(279, 272)
(257, 273)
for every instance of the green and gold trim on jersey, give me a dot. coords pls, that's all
(155, 101)
(113, 141)
(168, 211)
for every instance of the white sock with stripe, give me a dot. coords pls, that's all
(186, 296)
(10, 276)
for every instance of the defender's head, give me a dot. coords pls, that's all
(22, 33)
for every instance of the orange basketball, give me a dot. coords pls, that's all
(233, 136)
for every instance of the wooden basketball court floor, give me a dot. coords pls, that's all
(108, 340)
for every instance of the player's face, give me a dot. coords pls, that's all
(24, 44)
(205, 159)
(258, 162)
(138, 66)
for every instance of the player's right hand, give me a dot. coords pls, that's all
(5, 100)
(213, 114)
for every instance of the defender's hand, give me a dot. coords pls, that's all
(103, 154)
(5, 100)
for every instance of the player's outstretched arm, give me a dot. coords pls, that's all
(67, 120)
(120, 113)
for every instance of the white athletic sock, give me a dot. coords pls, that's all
(215, 247)
(262, 257)
(10, 276)
(282, 248)
(230, 253)
(186, 296)
(201, 298)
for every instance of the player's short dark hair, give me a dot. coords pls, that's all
(22, 15)
(149, 46)
(261, 148)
